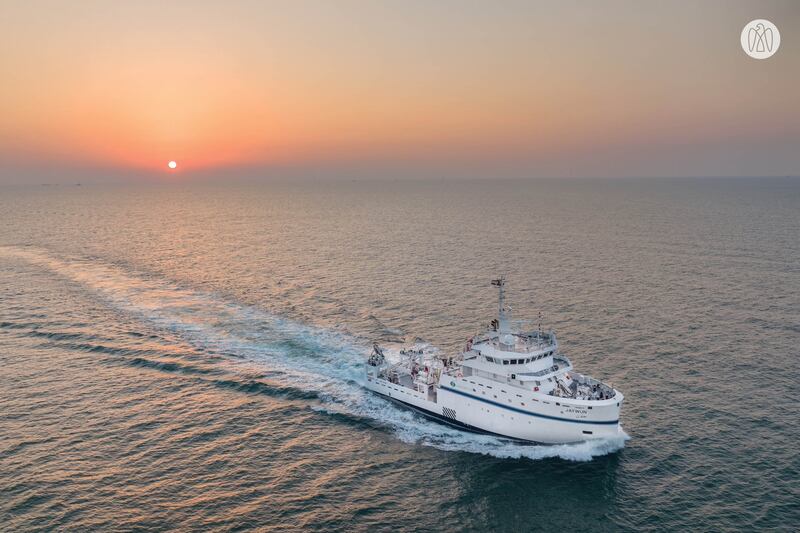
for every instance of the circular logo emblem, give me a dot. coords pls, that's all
(760, 39)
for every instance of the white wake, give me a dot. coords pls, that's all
(318, 360)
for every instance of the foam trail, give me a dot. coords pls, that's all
(318, 360)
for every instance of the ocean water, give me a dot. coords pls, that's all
(188, 356)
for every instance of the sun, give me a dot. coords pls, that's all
(172, 164)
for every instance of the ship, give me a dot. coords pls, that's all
(506, 382)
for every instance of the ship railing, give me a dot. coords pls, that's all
(607, 390)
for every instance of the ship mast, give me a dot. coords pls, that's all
(502, 312)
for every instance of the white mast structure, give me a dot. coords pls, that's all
(503, 325)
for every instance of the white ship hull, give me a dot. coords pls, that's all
(546, 420)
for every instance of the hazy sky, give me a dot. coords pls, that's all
(104, 90)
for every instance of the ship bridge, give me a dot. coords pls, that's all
(521, 358)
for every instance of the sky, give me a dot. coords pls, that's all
(113, 90)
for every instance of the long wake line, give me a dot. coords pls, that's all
(324, 362)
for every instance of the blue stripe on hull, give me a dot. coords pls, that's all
(450, 421)
(511, 408)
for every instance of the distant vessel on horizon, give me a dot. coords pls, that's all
(507, 383)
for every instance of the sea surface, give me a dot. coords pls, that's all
(186, 356)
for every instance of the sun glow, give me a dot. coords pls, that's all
(172, 164)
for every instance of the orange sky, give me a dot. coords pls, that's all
(557, 88)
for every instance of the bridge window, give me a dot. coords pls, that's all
(505, 361)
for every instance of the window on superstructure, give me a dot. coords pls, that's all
(505, 361)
